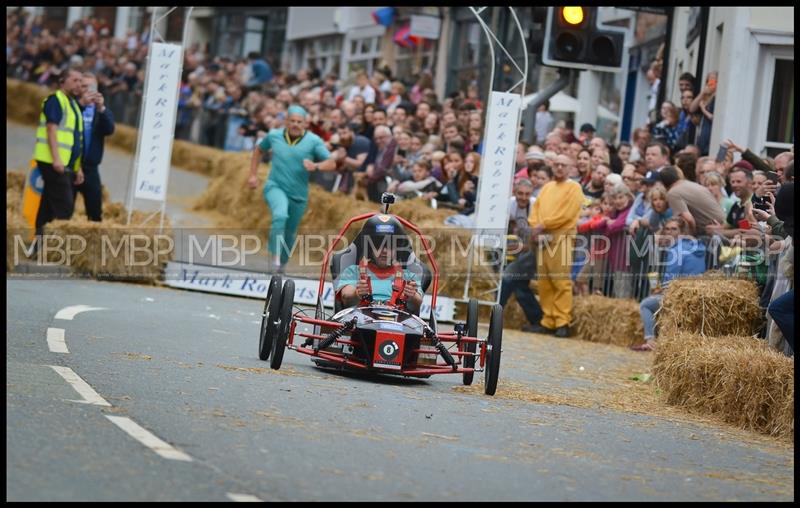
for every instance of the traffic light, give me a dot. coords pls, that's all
(573, 39)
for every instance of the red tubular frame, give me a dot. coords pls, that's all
(340, 358)
(366, 216)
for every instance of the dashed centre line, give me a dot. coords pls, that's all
(55, 340)
(82, 387)
(73, 310)
(243, 498)
(148, 439)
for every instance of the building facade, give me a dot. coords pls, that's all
(752, 48)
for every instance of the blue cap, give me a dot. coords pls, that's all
(297, 110)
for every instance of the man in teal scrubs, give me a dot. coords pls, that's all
(295, 152)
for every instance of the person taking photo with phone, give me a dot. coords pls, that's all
(704, 103)
(98, 123)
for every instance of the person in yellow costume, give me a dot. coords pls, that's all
(59, 145)
(553, 221)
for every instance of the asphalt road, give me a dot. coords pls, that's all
(184, 367)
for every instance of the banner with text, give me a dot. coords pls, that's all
(497, 164)
(158, 121)
(255, 285)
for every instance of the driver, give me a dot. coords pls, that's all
(379, 248)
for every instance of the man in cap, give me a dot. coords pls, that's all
(534, 159)
(295, 153)
(586, 134)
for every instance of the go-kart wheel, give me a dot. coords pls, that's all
(282, 330)
(271, 306)
(469, 347)
(493, 352)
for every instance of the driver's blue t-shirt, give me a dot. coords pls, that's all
(381, 287)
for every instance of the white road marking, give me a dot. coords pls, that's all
(243, 498)
(82, 387)
(148, 439)
(55, 340)
(73, 310)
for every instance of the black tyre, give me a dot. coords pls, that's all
(271, 306)
(469, 347)
(282, 331)
(495, 340)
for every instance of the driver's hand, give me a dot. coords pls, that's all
(362, 288)
(410, 289)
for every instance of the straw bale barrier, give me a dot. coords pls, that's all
(15, 180)
(141, 264)
(710, 305)
(114, 250)
(738, 379)
(15, 223)
(607, 320)
(23, 100)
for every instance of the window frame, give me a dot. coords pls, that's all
(770, 53)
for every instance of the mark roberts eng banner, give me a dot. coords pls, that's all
(158, 121)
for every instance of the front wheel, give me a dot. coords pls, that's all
(469, 347)
(268, 317)
(282, 329)
(493, 351)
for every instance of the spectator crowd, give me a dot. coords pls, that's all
(658, 206)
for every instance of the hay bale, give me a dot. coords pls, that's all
(24, 100)
(124, 137)
(711, 306)
(13, 200)
(16, 227)
(738, 379)
(15, 180)
(112, 251)
(607, 320)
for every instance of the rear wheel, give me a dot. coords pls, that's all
(282, 329)
(493, 351)
(469, 347)
(268, 318)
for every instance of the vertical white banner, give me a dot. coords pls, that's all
(158, 121)
(497, 163)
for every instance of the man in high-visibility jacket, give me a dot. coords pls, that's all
(59, 145)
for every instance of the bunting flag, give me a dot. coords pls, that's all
(404, 38)
(383, 16)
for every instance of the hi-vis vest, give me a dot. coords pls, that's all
(65, 133)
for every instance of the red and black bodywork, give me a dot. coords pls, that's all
(385, 337)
